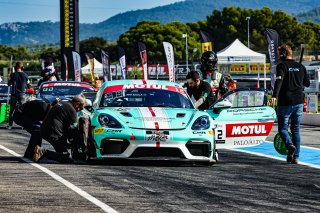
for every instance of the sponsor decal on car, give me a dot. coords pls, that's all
(157, 138)
(114, 130)
(143, 86)
(199, 132)
(246, 142)
(248, 129)
(65, 84)
(98, 130)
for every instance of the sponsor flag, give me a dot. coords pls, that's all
(122, 60)
(168, 48)
(77, 65)
(273, 43)
(42, 60)
(105, 66)
(206, 38)
(144, 60)
(66, 63)
(90, 59)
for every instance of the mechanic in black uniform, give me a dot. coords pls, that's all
(55, 127)
(199, 91)
(291, 78)
(30, 115)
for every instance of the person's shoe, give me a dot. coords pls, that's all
(291, 151)
(9, 127)
(295, 160)
(38, 153)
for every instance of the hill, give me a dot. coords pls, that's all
(110, 29)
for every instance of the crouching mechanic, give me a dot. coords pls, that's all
(29, 116)
(199, 91)
(55, 127)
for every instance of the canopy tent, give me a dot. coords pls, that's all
(238, 53)
(97, 68)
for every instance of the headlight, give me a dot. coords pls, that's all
(108, 121)
(201, 123)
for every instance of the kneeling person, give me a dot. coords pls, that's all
(55, 129)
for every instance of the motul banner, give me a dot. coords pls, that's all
(168, 48)
(273, 43)
(207, 40)
(66, 66)
(144, 60)
(90, 59)
(122, 60)
(77, 65)
(105, 66)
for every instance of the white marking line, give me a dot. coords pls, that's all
(273, 157)
(71, 186)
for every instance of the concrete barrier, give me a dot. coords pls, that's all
(311, 119)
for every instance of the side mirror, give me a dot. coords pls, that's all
(223, 104)
(88, 105)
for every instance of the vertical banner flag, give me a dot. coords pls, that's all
(42, 60)
(90, 59)
(273, 43)
(122, 60)
(144, 60)
(66, 65)
(77, 65)
(105, 66)
(168, 48)
(207, 40)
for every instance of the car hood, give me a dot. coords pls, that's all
(157, 118)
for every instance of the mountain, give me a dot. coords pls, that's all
(112, 28)
(311, 15)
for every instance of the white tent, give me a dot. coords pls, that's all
(97, 68)
(238, 53)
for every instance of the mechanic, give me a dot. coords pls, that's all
(199, 91)
(55, 128)
(231, 85)
(210, 74)
(18, 80)
(291, 78)
(29, 116)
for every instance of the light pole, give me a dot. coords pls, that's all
(186, 36)
(248, 18)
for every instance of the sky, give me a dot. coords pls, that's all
(90, 11)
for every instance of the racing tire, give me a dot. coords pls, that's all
(91, 149)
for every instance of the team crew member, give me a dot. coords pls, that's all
(290, 81)
(29, 116)
(18, 80)
(199, 91)
(55, 128)
(210, 74)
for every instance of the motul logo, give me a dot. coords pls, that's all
(249, 129)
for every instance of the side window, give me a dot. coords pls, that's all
(247, 98)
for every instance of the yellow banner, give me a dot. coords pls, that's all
(206, 46)
(254, 68)
(238, 68)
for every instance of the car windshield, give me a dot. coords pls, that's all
(145, 98)
(62, 89)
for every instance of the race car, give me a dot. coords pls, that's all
(137, 119)
(65, 90)
(4, 93)
(242, 118)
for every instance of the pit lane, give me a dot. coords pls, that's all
(239, 182)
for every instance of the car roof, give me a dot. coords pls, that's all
(130, 82)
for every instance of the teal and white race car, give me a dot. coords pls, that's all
(139, 119)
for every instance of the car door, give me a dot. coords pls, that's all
(242, 118)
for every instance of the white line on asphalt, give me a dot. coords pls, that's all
(71, 186)
(273, 157)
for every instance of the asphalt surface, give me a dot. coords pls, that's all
(239, 182)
